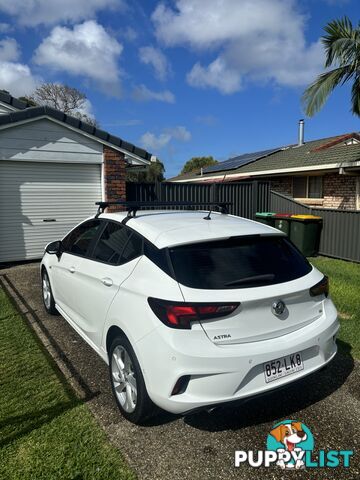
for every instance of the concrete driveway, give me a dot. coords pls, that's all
(202, 446)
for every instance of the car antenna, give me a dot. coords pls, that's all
(208, 216)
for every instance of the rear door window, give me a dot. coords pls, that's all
(111, 243)
(80, 240)
(133, 248)
(238, 262)
(117, 245)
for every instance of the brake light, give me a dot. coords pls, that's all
(176, 313)
(321, 288)
(181, 314)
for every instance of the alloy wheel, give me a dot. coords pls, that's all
(46, 291)
(124, 379)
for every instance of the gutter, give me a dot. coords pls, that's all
(342, 171)
(313, 168)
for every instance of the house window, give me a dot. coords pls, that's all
(307, 187)
(300, 187)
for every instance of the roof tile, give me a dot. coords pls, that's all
(308, 155)
(101, 134)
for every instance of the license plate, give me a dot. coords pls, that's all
(282, 367)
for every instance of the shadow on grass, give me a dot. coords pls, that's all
(15, 427)
(344, 348)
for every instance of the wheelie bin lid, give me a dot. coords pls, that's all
(305, 218)
(282, 215)
(265, 214)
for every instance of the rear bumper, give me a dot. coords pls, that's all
(262, 394)
(222, 374)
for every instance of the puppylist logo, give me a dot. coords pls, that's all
(290, 445)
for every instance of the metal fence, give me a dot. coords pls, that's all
(247, 198)
(340, 237)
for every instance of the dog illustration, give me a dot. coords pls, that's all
(289, 434)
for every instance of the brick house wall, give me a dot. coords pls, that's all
(114, 176)
(339, 191)
(281, 185)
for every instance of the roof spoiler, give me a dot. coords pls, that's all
(133, 206)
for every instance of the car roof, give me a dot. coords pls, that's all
(166, 228)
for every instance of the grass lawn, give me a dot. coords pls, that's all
(345, 292)
(45, 432)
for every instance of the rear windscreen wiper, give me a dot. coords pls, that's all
(267, 277)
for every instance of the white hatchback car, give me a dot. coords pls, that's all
(189, 312)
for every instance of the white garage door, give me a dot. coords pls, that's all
(41, 202)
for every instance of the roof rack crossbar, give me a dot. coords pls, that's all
(133, 206)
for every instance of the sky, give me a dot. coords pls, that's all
(181, 78)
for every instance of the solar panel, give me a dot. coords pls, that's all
(239, 161)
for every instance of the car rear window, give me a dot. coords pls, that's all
(238, 262)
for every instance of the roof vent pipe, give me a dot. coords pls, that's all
(301, 133)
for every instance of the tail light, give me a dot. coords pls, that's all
(181, 314)
(321, 288)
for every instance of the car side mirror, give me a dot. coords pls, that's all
(54, 248)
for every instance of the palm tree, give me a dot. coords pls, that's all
(342, 48)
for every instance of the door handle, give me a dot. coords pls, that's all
(107, 281)
(72, 269)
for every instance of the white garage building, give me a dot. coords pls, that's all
(53, 168)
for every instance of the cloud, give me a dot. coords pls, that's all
(9, 50)
(130, 34)
(87, 109)
(209, 120)
(5, 27)
(85, 50)
(154, 142)
(217, 75)
(251, 40)
(179, 133)
(141, 93)
(157, 60)
(49, 12)
(17, 78)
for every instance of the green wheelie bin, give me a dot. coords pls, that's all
(305, 233)
(265, 217)
(282, 222)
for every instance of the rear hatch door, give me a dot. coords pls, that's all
(267, 276)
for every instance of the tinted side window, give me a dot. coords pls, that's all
(157, 256)
(80, 239)
(133, 249)
(111, 243)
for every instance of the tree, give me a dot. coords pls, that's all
(29, 101)
(196, 163)
(153, 173)
(342, 49)
(64, 98)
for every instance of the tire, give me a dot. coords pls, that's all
(127, 382)
(47, 295)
